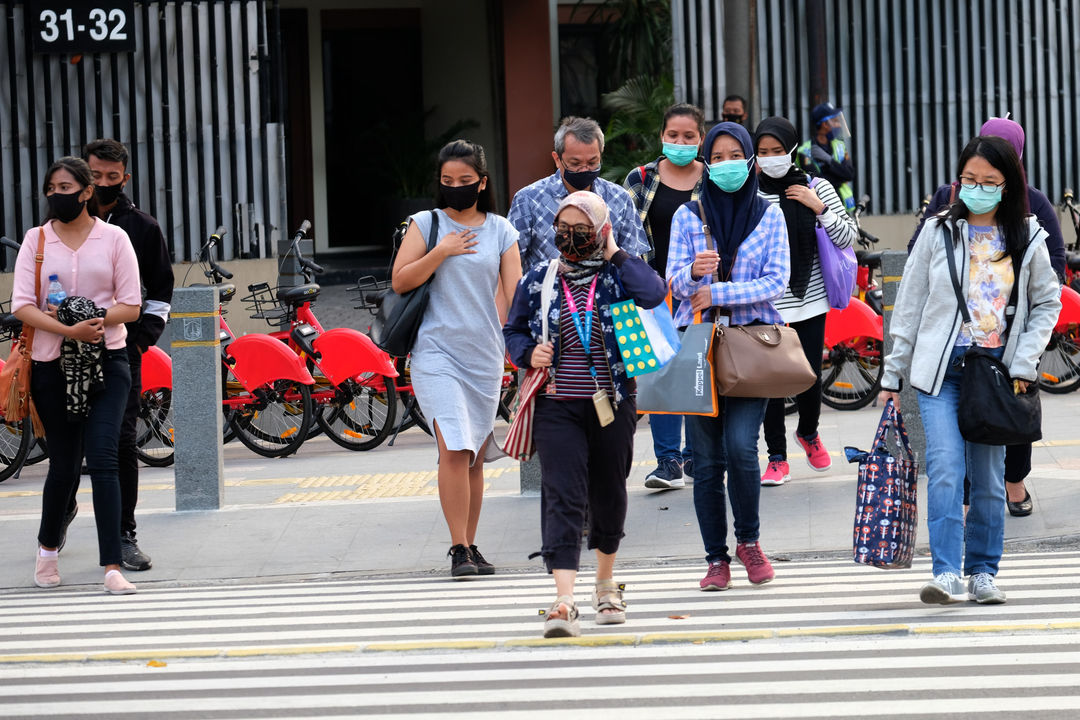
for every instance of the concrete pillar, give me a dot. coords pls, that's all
(892, 268)
(196, 399)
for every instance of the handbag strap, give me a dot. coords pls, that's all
(39, 260)
(433, 233)
(1010, 309)
(892, 419)
(711, 244)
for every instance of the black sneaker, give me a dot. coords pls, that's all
(131, 557)
(483, 567)
(461, 562)
(64, 527)
(667, 475)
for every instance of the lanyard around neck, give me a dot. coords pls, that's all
(583, 328)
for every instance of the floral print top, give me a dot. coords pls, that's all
(990, 281)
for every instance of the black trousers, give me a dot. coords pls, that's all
(583, 471)
(812, 338)
(127, 457)
(96, 435)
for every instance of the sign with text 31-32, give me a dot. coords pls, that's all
(81, 26)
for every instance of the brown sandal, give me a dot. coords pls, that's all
(608, 602)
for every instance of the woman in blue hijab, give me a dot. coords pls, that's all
(734, 278)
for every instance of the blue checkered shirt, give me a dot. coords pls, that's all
(533, 212)
(760, 275)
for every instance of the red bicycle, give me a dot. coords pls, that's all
(1059, 366)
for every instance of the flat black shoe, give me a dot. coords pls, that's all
(483, 567)
(64, 528)
(131, 557)
(461, 562)
(1022, 508)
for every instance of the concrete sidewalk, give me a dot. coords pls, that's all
(329, 510)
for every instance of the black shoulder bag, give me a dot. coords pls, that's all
(991, 412)
(399, 316)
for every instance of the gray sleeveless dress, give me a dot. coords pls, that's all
(457, 363)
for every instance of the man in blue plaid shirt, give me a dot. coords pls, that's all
(579, 143)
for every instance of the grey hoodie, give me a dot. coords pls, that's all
(926, 317)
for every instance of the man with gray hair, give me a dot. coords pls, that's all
(579, 143)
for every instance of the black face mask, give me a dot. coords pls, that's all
(461, 197)
(108, 194)
(65, 208)
(581, 180)
(733, 118)
(577, 246)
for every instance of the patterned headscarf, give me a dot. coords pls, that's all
(80, 361)
(581, 272)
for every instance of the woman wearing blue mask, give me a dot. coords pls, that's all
(996, 247)
(659, 189)
(736, 283)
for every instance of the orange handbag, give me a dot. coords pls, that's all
(15, 401)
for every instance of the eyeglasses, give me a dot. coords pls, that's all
(969, 184)
(581, 167)
(564, 229)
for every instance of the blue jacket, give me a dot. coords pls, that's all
(623, 278)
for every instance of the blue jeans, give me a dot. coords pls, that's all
(727, 443)
(666, 435)
(977, 541)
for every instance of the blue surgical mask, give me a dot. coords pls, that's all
(730, 175)
(680, 154)
(980, 200)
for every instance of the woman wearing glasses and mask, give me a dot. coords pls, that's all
(585, 418)
(995, 245)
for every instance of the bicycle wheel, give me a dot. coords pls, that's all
(362, 414)
(274, 420)
(851, 375)
(15, 441)
(154, 433)
(1059, 372)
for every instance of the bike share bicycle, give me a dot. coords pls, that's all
(1059, 366)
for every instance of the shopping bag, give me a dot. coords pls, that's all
(886, 514)
(686, 385)
(647, 338)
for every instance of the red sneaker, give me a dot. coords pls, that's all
(777, 473)
(718, 577)
(758, 567)
(817, 457)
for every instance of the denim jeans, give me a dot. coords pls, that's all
(727, 444)
(978, 541)
(666, 436)
(96, 434)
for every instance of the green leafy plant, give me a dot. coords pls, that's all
(632, 136)
(637, 35)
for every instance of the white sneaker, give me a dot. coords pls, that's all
(981, 589)
(945, 589)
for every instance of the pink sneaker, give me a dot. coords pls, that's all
(117, 584)
(817, 457)
(718, 577)
(46, 571)
(777, 473)
(758, 568)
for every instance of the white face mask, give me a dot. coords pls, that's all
(776, 166)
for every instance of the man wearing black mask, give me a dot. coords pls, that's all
(734, 109)
(579, 143)
(108, 160)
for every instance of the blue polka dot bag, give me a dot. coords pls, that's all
(647, 338)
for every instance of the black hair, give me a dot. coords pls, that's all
(472, 155)
(81, 172)
(736, 98)
(1012, 212)
(108, 150)
(688, 110)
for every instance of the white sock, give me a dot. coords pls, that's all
(47, 553)
(111, 572)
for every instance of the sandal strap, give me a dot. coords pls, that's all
(571, 612)
(603, 594)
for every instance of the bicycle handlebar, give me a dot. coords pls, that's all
(307, 265)
(208, 252)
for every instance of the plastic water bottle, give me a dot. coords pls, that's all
(56, 290)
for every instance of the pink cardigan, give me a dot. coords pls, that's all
(104, 269)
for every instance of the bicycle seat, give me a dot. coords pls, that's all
(869, 259)
(1073, 261)
(299, 294)
(8, 320)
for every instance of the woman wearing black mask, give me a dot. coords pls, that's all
(79, 398)
(457, 362)
(808, 204)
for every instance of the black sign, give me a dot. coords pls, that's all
(81, 26)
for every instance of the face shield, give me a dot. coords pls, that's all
(838, 127)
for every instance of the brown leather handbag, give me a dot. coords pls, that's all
(758, 361)
(15, 401)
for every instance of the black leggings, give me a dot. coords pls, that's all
(812, 337)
